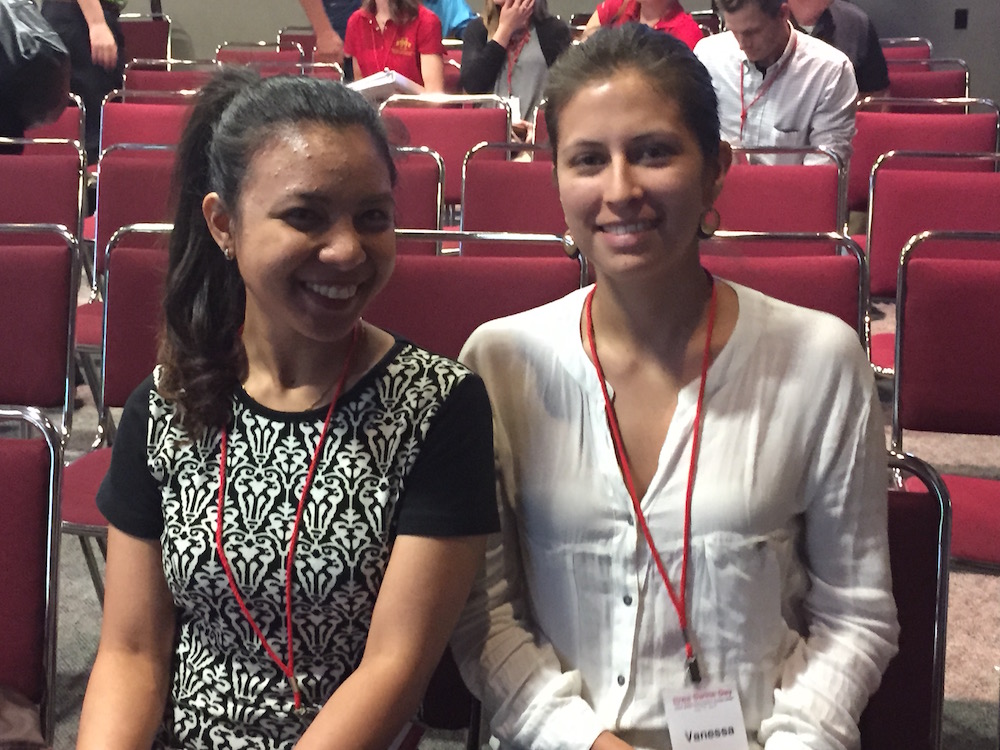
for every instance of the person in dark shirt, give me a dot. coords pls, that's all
(848, 28)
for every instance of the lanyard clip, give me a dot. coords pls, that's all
(694, 671)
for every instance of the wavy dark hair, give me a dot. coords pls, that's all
(666, 62)
(236, 115)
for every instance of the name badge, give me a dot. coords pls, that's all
(515, 108)
(708, 718)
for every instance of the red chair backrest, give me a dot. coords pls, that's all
(267, 60)
(184, 78)
(36, 309)
(946, 376)
(914, 51)
(912, 82)
(780, 198)
(451, 131)
(510, 196)
(880, 132)
(417, 195)
(40, 188)
(901, 712)
(305, 38)
(68, 125)
(146, 38)
(906, 202)
(25, 468)
(133, 186)
(135, 280)
(438, 302)
(541, 136)
(143, 122)
(828, 283)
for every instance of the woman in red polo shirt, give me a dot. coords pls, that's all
(663, 15)
(399, 35)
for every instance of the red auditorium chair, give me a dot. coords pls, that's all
(947, 326)
(68, 126)
(142, 122)
(268, 58)
(954, 129)
(31, 467)
(913, 191)
(906, 48)
(38, 284)
(44, 185)
(941, 78)
(164, 74)
(905, 711)
(783, 197)
(822, 271)
(437, 302)
(419, 195)
(146, 35)
(451, 125)
(500, 195)
(131, 321)
(304, 36)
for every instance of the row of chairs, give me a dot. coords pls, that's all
(478, 289)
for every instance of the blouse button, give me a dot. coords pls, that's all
(628, 600)
(621, 679)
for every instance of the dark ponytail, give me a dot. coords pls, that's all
(201, 353)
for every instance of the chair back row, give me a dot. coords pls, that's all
(945, 364)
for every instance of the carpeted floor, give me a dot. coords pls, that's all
(972, 680)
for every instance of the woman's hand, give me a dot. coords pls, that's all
(514, 16)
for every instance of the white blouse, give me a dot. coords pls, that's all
(570, 630)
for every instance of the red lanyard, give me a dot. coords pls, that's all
(678, 600)
(385, 44)
(745, 108)
(287, 668)
(513, 55)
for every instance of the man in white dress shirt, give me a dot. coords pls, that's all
(778, 87)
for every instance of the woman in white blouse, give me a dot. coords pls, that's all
(692, 475)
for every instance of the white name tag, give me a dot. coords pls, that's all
(708, 718)
(515, 108)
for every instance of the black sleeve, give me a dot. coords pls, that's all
(554, 37)
(129, 497)
(872, 72)
(451, 489)
(482, 60)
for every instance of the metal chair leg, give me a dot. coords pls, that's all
(95, 571)
(473, 738)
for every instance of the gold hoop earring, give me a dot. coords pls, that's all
(709, 223)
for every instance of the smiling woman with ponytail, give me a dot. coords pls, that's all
(297, 500)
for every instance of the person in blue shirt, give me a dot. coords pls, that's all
(454, 14)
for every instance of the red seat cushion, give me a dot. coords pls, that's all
(81, 479)
(975, 518)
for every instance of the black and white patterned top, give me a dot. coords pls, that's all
(409, 451)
